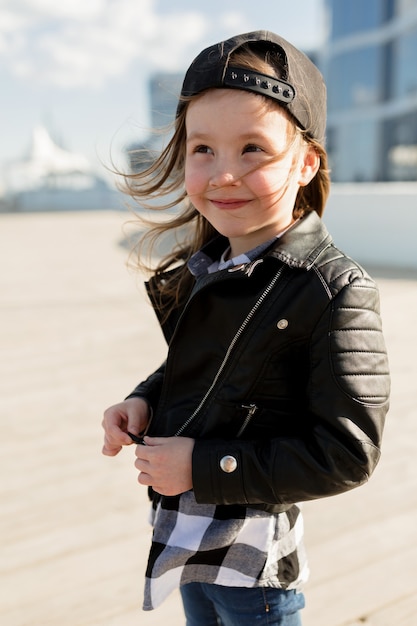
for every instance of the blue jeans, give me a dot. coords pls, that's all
(215, 605)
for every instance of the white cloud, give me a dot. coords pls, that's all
(83, 43)
(12, 25)
(234, 21)
(86, 43)
(76, 9)
(174, 35)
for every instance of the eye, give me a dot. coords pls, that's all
(202, 150)
(251, 147)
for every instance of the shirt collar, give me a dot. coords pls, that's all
(203, 263)
(210, 258)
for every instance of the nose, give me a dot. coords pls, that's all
(223, 177)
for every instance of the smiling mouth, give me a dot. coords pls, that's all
(229, 204)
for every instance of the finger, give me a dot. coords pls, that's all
(116, 437)
(114, 431)
(145, 479)
(109, 450)
(134, 425)
(154, 441)
(113, 445)
(142, 451)
(142, 465)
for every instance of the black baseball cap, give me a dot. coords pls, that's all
(301, 89)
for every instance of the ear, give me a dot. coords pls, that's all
(309, 165)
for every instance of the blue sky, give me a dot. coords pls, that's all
(82, 67)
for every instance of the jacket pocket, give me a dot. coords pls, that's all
(250, 410)
(225, 420)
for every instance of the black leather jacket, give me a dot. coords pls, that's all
(278, 369)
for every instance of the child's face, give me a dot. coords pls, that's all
(230, 133)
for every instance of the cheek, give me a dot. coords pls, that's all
(272, 180)
(193, 179)
(265, 183)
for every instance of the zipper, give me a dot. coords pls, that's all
(229, 351)
(251, 408)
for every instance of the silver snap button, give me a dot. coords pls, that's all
(237, 268)
(228, 464)
(282, 324)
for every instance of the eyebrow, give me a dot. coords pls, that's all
(245, 136)
(197, 135)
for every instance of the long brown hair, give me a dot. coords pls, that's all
(159, 187)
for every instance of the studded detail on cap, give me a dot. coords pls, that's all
(237, 78)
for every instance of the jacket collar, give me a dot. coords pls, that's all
(299, 246)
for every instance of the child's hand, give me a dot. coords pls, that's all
(165, 465)
(131, 415)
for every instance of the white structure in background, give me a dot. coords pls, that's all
(52, 178)
(376, 223)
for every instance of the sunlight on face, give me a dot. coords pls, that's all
(242, 171)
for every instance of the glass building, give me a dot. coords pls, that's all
(164, 90)
(370, 66)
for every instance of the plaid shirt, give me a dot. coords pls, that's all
(233, 545)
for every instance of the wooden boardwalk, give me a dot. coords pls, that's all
(76, 336)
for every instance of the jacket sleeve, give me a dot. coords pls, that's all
(150, 389)
(348, 397)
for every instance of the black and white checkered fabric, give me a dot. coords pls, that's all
(233, 546)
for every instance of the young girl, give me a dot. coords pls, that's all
(275, 386)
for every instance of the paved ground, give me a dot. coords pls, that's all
(76, 336)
